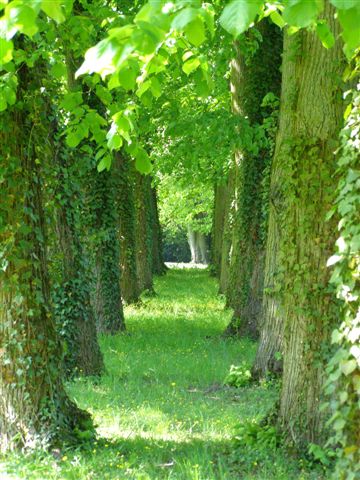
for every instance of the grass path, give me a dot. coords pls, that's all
(161, 409)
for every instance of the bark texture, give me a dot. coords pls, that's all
(130, 288)
(198, 246)
(143, 232)
(34, 408)
(309, 128)
(218, 227)
(158, 265)
(77, 326)
(246, 271)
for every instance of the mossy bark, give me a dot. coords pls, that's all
(106, 245)
(244, 293)
(73, 294)
(130, 288)
(158, 265)
(218, 227)
(34, 407)
(310, 121)
(143, 232)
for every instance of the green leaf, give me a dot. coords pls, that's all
(114, 140)
(22, 17)
(105, 58)
(10, 95)
(325, 34)
(191, 65)
(3, 104)
(6, 50)
(344, 4)
(105, 163)
(53, 9)
(71, 101)
(155, 87)
(195, 32)
(127, 77)
(238, 15)
(104, 94)
(277, 19)
(350, 23)
(182, 19)
(58, 70)
(348, 367)
(301, 13)
(208, 13)
(142, 161)
(144, 87)
(73, 139)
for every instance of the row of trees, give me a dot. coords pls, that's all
(272, 231)
(75, 242)
(272, 247)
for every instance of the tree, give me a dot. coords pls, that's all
(34, 406)
(310, 122)
(126, 203)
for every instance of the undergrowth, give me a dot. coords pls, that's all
(163, 409)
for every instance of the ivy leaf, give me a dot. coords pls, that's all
(325, 34)
(348, 367)
(238, 15)
(300, 13)
(195, 32)
(53, 9)
(142, 161)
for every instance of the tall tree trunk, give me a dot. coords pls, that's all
(226, 240)
(107, 301)
(244, 293)
(73, 309)
(34, 407)
(218, 227)
(126, 203)
(198, 246)
(310, 121)
(158, 265)
(143, 232)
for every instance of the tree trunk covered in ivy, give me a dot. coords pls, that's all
(218, 227)
(73, 309)
(310, 121)
(143, 232)
(107, 301)
(130, 289)
(34, 407)
(226, 240)
(246, 271)
(158, 265)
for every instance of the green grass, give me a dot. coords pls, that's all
(161, 409)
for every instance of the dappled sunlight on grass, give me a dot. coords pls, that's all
(162, 410)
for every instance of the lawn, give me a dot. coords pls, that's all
(162, 410)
